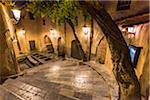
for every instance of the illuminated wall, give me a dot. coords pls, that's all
(141, 39)
(8, 63)
(35, 30)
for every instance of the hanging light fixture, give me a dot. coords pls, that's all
(85, 29)
(16, 14)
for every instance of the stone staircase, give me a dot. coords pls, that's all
(34, 60)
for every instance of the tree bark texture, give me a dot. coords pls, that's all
(129, 87)
(91, 38)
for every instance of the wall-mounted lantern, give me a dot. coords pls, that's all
(22, 32)
(131, 29)
(53, 32)
(16, 14)
(86, 30)
(131, 32)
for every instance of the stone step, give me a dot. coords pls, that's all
(43, 57)
(28, 63)
(32, 61)
(39, 60)
(23, 66)
(47, 59)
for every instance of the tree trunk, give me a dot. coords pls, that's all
(79, 44)
(65, 48)
(91, 39)
(129, 88)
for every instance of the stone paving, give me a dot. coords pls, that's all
(62, 80)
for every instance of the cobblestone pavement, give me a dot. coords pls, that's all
(62, 80)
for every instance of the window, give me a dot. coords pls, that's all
(131, 29)
(123, 4)
(134, 54)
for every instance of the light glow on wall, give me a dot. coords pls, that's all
(53, 32)
(123, 29)
(16, 13)
(15, 40)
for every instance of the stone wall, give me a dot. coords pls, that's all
(35, 30)
(8, 63)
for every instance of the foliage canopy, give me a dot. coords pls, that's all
(58, 11)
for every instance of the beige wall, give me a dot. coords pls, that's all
(8, 63)
(35, 30)
(144, 79)
(141, 39)
(32, 32)
(142, 69)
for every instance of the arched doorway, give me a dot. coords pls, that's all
(48, 44)
(47, 40)
(101, 50)
(60, 47)
(75, 50)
